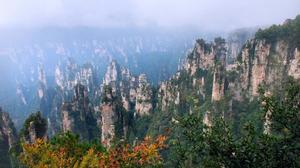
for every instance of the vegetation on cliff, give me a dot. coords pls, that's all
(38, 123)
(289, 31)
(191, 142)
(198, 145)
(66, 150)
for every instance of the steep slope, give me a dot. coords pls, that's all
(209, 86)
(8, 137)
(270, 57)
(78, 116)
(199, 83)
(123, 97)
(236, 40)
(68, 76)
(142, 51)
(143, 103)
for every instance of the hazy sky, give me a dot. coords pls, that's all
(207, 14)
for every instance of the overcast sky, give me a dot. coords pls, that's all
(206, 14)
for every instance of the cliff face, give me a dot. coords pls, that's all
(108, 116)
(50, 100)
(69, 74)
(221, 83)
(8, 137)
(35, 127)
(143, 105)
(7, 130)
(122, 93)
(122, 83)
(203, 74)
(268, 64)
(202, 57)
(219, 69)
(67, 77)
(78, 116)
(113, 78)
(67, 107)
(214, 79)
(268, 60)
(270, 57)
(236, 40)
(68, 101)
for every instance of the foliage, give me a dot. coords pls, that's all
(290, 32)
(198, 145)
(107, 91)
(139, 127)
(66, 150)
(206, 46)
(40, 125)
(285, 110)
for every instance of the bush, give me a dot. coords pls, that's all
(66, 150)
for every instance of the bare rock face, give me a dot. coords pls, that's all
(218, 86)
(42, 82)
(202, 57)
(8, 132)
(143, 104)
(219, 69)
(267, 64)
(35, 127)
(8, 137)
(268, 60)
(78, 116)
(163, 95)
(50, 101)
(108, 115)
(203, 73)
(118, 95)
(69, 75)
(134, 91)
(122, 83)
(67, 120)
(112, 73)
(122, 93)
(114, 118)
(294, 66)
(209, 57)
(236, 39)
(208, 77)
(32, 132)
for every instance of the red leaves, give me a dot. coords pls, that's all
(44, 154)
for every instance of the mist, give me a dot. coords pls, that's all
(169, 14)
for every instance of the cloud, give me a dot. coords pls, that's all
(208, 14)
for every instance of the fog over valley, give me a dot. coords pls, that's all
(149, 83)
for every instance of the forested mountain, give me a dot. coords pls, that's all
(233, 102)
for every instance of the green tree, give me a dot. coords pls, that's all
(197, 145)
(40, 125)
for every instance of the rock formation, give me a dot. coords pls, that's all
(143, 105)
(122, 93)
(35, 127)
(203, 74)
(236, 40)
(268, 64)
(108, 116)
(78, 116)
(8, 137)
(219, 69)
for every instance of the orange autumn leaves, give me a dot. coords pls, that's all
(145, 154)
(42, 154)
